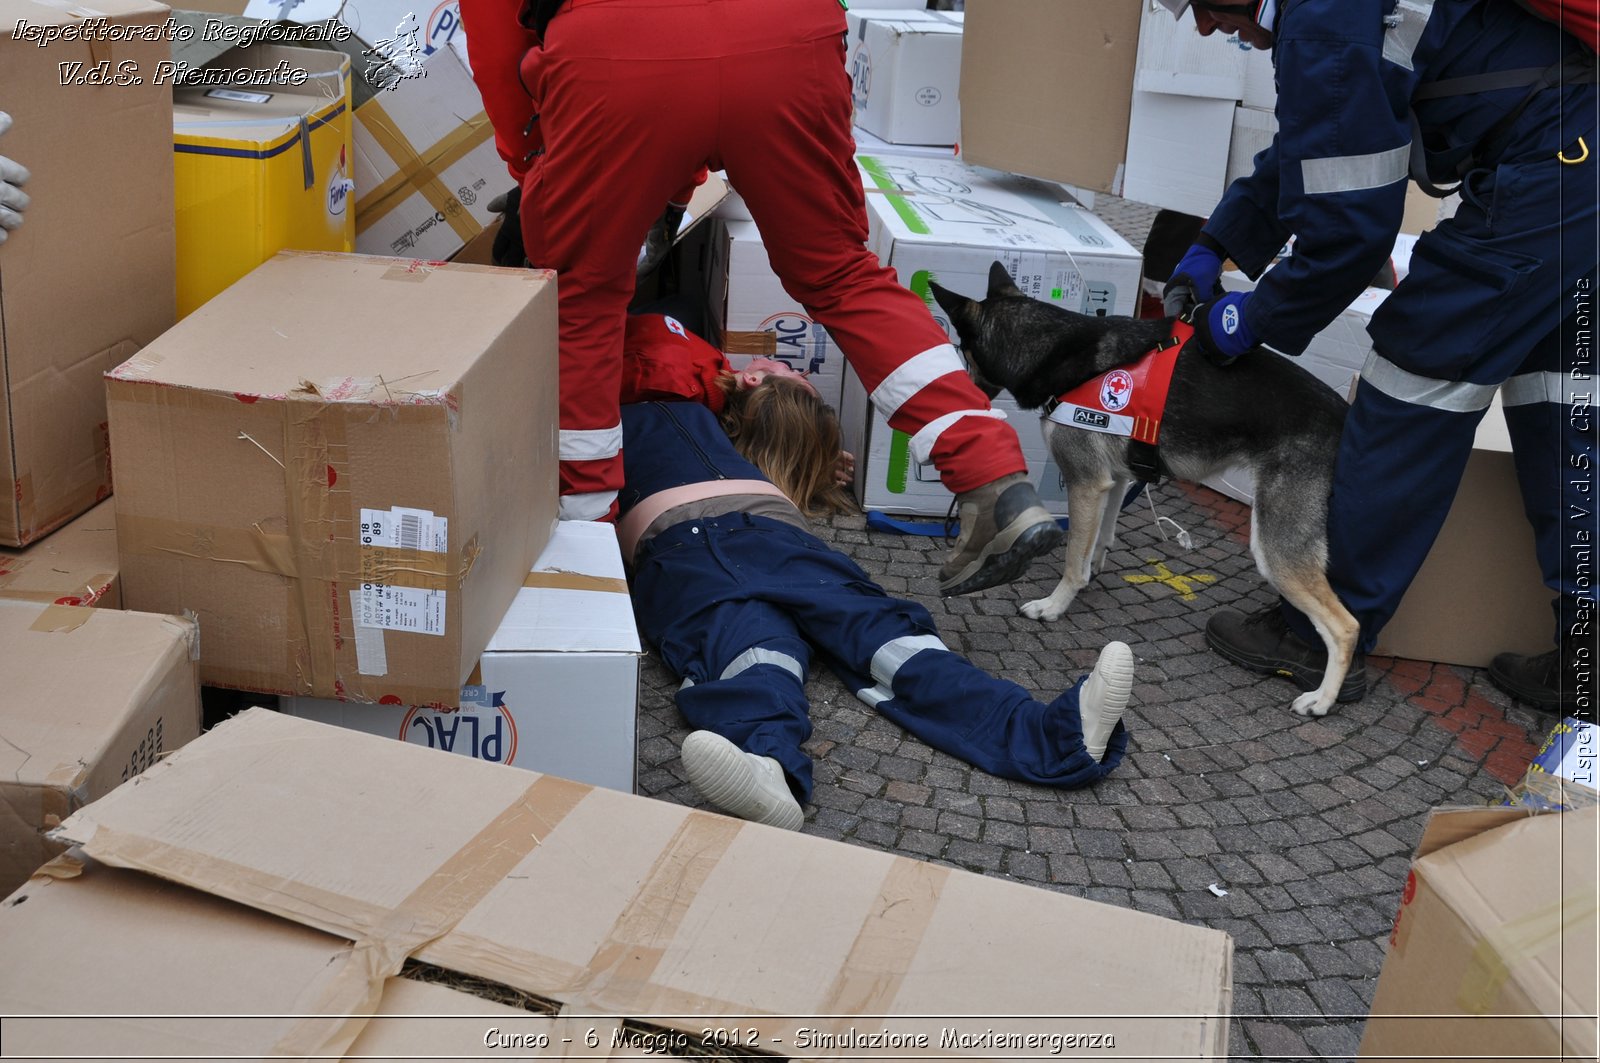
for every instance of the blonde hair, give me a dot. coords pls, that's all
(793, 437)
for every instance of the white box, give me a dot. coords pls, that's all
(869, 143)
(752, 315)
(1260, 80)
(1253, 130)
(933, 219)
(1178, 151)
(438, 25)
(425, 164)
(557, 689)
(1174, 58)
(905, 66)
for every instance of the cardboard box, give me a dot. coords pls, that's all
(608, 904)
(905, 66)
(91, 698)
(1178, 151)
(74, 565)
(1173, 58)
(1253, 130)
(88, 280)
(1260, 80)
(425, 164)
(1493, 954)
(752, 316)
(1046, 88)
(402, 26)
(1562, 774)
(260, 169)
(479, 251)
(941, 220)
(213, 980)
(556, 691)
(344, 466)
(1480, 592)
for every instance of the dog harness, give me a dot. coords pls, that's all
(1128, 401)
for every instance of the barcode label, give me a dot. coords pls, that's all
(405, 529)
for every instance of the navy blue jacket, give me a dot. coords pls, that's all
(669, 444)
(1335, 173)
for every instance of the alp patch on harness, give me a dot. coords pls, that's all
(1127, 401)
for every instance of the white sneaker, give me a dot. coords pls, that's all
(739, 783)
(1104, 695)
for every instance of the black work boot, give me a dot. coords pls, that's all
(1263, 642)
(1004, 527)
(1550, 682)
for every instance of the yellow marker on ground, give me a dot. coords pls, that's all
(1184, 585)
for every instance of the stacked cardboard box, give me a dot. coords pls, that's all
(88, 280)
(557, 688)
(74, 565)
(933, 219)
(602, 904)
(344, 466)
(91, 698)
(905, 66)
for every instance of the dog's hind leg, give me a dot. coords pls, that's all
(1289, 540)
(1086, 504)
(1108, 524)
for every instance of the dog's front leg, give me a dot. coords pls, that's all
(1086, 504)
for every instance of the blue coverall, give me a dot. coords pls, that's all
(734, 605)
(1499, 296)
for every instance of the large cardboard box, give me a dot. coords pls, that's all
(1493, 954)
(556, 691)
(260, 168)
(91, 697)
(905, 67)
(214, 980)
(425, 163)
(1480, 592)
(1046, 87)
(607, 904)
(88, 280)
(345, 466)
(752, 316)
(933, 219)
(1173, 58)
(74, 565)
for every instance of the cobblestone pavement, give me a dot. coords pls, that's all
(1308, 825)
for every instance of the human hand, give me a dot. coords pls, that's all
(658, 241)
(13, 200)
(507, 249)
(1220, 329)
(844, 470)
(1193, 281)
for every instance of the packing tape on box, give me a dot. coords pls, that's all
(432, 910)
(419, 172)
(61, 618)
(753, 343)
(94, 588)
(271, 552)
(576, 581)
(1504, 946)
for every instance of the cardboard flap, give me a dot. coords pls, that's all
(619, 905)
(1447, 826)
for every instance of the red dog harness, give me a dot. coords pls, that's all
(1127, 401)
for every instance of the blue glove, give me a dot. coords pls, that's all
(1220, 329)
(1193, 281)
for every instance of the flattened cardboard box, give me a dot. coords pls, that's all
(101, 159)
(1493, 954)
(344, 466)
(113, 964)
(74, 565)
(610, 904)
(89, 698)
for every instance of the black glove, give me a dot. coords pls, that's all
(508, 249)
(658, 241)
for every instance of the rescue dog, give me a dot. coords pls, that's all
(1263, 411)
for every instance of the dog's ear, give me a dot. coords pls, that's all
(1000, 282)
(959, 307)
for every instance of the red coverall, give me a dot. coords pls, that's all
(624, 102)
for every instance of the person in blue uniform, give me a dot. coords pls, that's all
(736, 594)
(1500, 296)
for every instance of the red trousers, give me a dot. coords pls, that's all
(632, 98)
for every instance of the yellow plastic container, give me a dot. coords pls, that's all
(263, 163)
